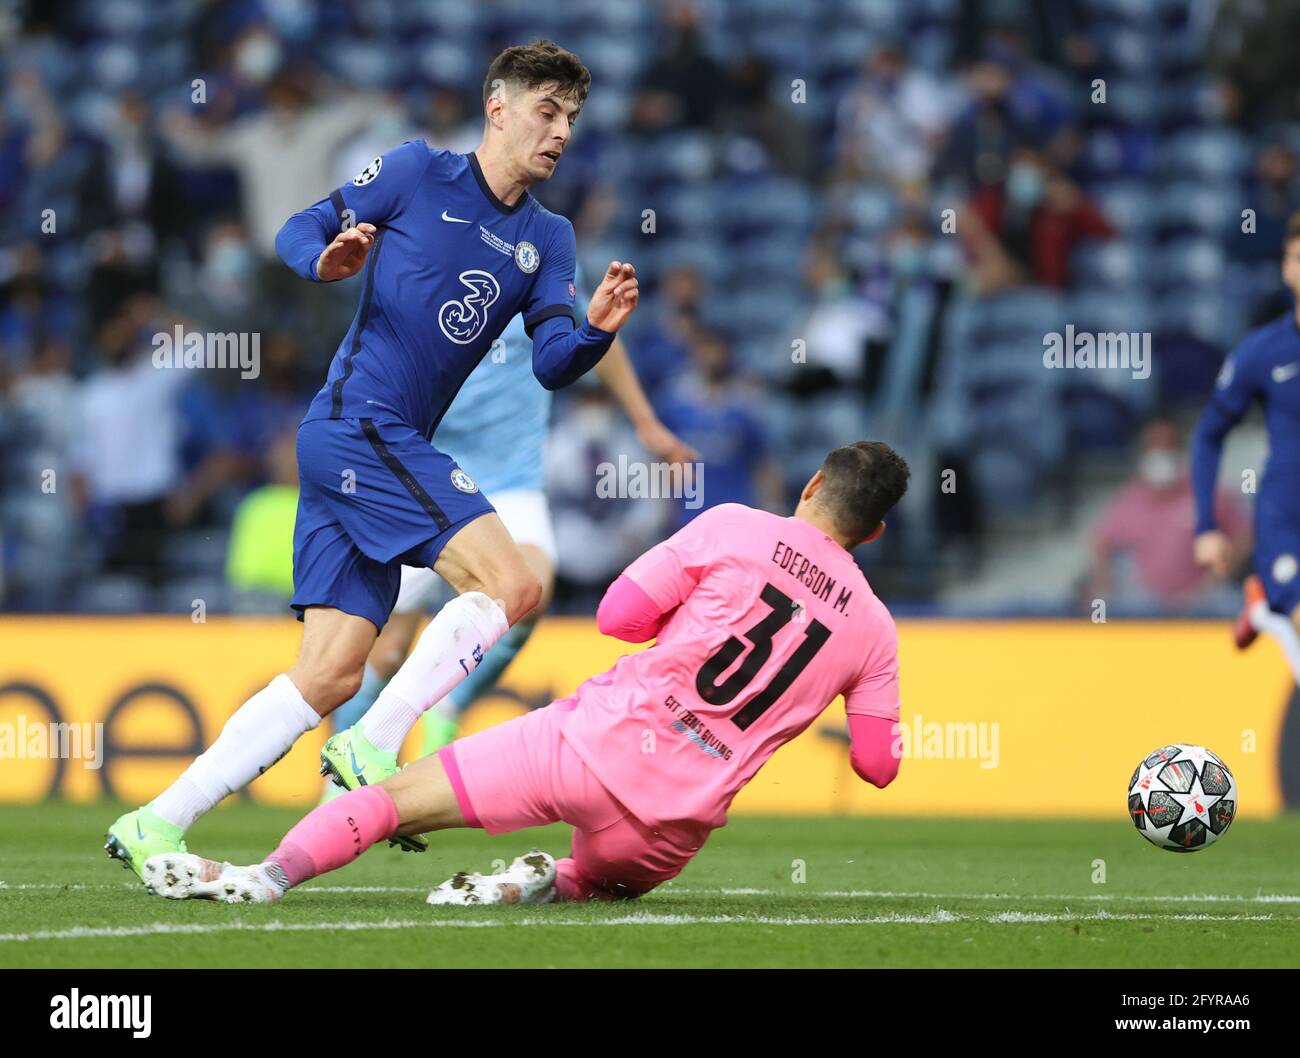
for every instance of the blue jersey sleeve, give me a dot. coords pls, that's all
(553, 294)
(382, 189)
(561, 355)
(1238, 386)
(374, 196)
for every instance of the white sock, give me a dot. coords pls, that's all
(1281, 628)
(446, 652)
(255, 737)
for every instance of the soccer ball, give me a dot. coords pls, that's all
(1182, 798)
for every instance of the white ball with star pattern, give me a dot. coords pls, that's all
(1182, 797)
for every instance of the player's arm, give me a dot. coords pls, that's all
(628, 613)
(331, 239)
(645, 595)
(562, 353)
(871, 749)
(1234, 391)
(616, 371)
(872, 706)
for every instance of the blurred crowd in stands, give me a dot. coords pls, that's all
(852, 218)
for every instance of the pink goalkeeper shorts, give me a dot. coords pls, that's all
(524, 774)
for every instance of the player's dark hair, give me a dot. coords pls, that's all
(862, 482)
(533, 65)
(1292, 230)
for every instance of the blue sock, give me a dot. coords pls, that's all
(355, 708)
(498, 659)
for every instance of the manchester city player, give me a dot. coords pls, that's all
(1263, 369)
(496, 429)
(453, 248)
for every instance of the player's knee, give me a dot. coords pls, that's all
(326, 687)
(522, 596)
(343, 685)
(516, 592)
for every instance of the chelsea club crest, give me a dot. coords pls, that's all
(527, 257)
(463, 481)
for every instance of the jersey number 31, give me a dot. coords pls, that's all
(760, 639)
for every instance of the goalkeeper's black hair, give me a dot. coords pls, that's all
(862, 482)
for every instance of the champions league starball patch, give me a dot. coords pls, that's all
(368, 173)
(527, 257)
(463, 481)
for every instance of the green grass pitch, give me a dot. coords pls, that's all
(764, 892)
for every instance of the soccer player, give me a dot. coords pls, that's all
(760, 622)
(496, 428)
(453, 248)
(1263, 369)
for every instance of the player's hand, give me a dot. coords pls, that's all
(615, 298)
(346, 254)
(662, 442)
(1214, 549)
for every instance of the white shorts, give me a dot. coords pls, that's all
(527, 518)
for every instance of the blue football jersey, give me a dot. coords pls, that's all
(1264, 369)
(496, 427)
(449, 268)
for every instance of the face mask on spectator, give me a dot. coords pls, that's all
(1160, 468)
(230, 262)
(1025, 185)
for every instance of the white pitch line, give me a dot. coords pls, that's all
(881, 894)
(900, 894)
(51, 886)
(937, 917)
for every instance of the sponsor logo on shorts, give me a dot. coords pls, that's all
(463, 481)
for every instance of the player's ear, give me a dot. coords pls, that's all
(814, 483)
(875, 533)
(493, 107)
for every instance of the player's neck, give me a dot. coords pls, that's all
(506, 185)
(823, 525)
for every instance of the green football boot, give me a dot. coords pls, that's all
(352, 762)
(136, 836)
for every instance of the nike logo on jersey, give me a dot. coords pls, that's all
(1286, 372)
(452, 220)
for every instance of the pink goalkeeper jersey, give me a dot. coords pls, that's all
(773, 620)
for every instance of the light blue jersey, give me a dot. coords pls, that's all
(496, 427)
